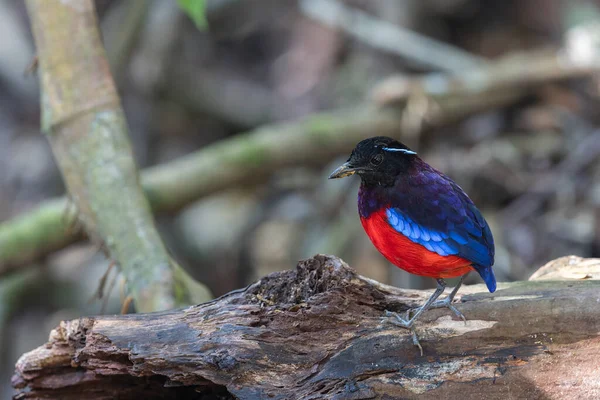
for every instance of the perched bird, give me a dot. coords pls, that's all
(419, 219)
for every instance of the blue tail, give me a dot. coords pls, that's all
(487, 274)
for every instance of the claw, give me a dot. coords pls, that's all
(410, 319)
(395, 319)
(447, 303)
(457, 313)
(415, 340)
(408, 323)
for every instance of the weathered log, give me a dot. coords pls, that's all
(568, 268)
(316, 333)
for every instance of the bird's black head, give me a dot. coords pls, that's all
(378, 161)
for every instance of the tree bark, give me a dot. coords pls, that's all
(85, 125)
(317, 333)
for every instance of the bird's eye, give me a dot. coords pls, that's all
(376, 159)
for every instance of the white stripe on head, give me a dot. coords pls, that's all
(393, 150)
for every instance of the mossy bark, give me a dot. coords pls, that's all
(85, 124)
(41, 231)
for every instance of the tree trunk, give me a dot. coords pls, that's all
(86, 127)
(317, 333)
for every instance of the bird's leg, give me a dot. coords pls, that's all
(447, 302)
(408, 323)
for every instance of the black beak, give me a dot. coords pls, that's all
(343, 171)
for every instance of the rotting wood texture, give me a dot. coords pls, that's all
(316, 333)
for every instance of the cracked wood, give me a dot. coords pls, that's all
(316, 333)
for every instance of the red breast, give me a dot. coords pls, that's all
(409, 256)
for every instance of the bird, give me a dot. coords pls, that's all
(420, 220)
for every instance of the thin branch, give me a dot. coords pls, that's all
(512, 74)
(388, 37)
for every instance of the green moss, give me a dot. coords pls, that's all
(42, 228)
(253, 155)
(321, 124)
(327, 129)
(243, 151)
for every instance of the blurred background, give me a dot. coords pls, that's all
(529, 158)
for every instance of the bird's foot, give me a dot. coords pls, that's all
(447, 303)
(395, 319)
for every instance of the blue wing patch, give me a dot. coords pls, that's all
(433, 240)
(460, 239)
